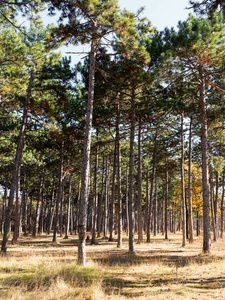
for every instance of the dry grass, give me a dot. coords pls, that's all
(36, 268)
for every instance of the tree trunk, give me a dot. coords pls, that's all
(127, 201)
(86, 160)
(205, 178)
(4, 201)
(166, 203)
(119, 198)
(95, 202)
(16, 232)
(140, 230)
(112, 202)
(222, 210)
(191, 229)
(106, 200)
(69, 206)
(183, 185)
(155, 208)
(16, 167)
(131, 175)
(101, 198)
(59, 196)
(37, 215)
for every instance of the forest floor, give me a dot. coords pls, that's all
(36, 268)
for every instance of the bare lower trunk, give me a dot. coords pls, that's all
(112, 202)
(59, 195)
(131, 175)
(37, 215)
(166, 203)
(222, 210)
(16, 232)
(119, 198)
(16, 167)
(191, 229)
(205, 179)
(86, 160)
(183, 185)
(69, 206)
(101, 198)
(140, 234)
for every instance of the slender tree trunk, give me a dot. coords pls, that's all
(106, 200)
(131, 175)
(16, 232)
(25, 201)
(183, 184)
(95, 202)
(101, 198)
(69, 207)
(51, 208)
(212, 203)
(16, 167)
(127, 201)
(119, 198)
(147, 203)
(222, 210)
(4, 200)
(166, 203)
(86, 160)
(152, 186)
(191, 229)
(140, 230)
(61, 225)
(112, 202)
(205, 179)
(30, 213)
(216, 204)
(59, 196)
(155, 208)
(37, 215)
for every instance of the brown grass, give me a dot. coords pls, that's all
(36, 268)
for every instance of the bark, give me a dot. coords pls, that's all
(112, 202)
(190, 208)
(16, 232)
(59, 196)
(25, 202)
(69, 206)
(51, 208)
(166, 203)
(119, 192)
(106, 200)
(140, 230)
(222, 210)
(147, 202)
(212, 203)
(86, 160)
(127, 200)
(205, 179)
(101, 199)
(16, 167)
(131, 175)
(184, 234)
(37, 215)
(152, 186)
(4, 201)
(61, 226)
(155, 209)
(95, 202)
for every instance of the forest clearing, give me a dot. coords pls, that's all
(36, 268)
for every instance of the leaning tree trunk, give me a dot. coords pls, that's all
(205, 176)
(131, 175)
(183, 185)
(190, 215)
(86, 160)
(16, 167)
(140, 231)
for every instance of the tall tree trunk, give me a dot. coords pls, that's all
(86, 160)
(39, 197)
(205, 178)
(127, 200)
(216, 204)
(155, 208)
(101, 198)
(61, 225)
(59, 196)
(147, 203)
(166, 202)
(95, 202)
(222, 209)
(16, 167)
(140, 230)
(119, 192)
(25, 201)
(131, 175)
(212, 203)
(106, 200)
(69, 207)
(4, 200)
(191, 229)
(16, 232)
(183, 184)
(112, 202)
(51, 208)
(152, 185)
